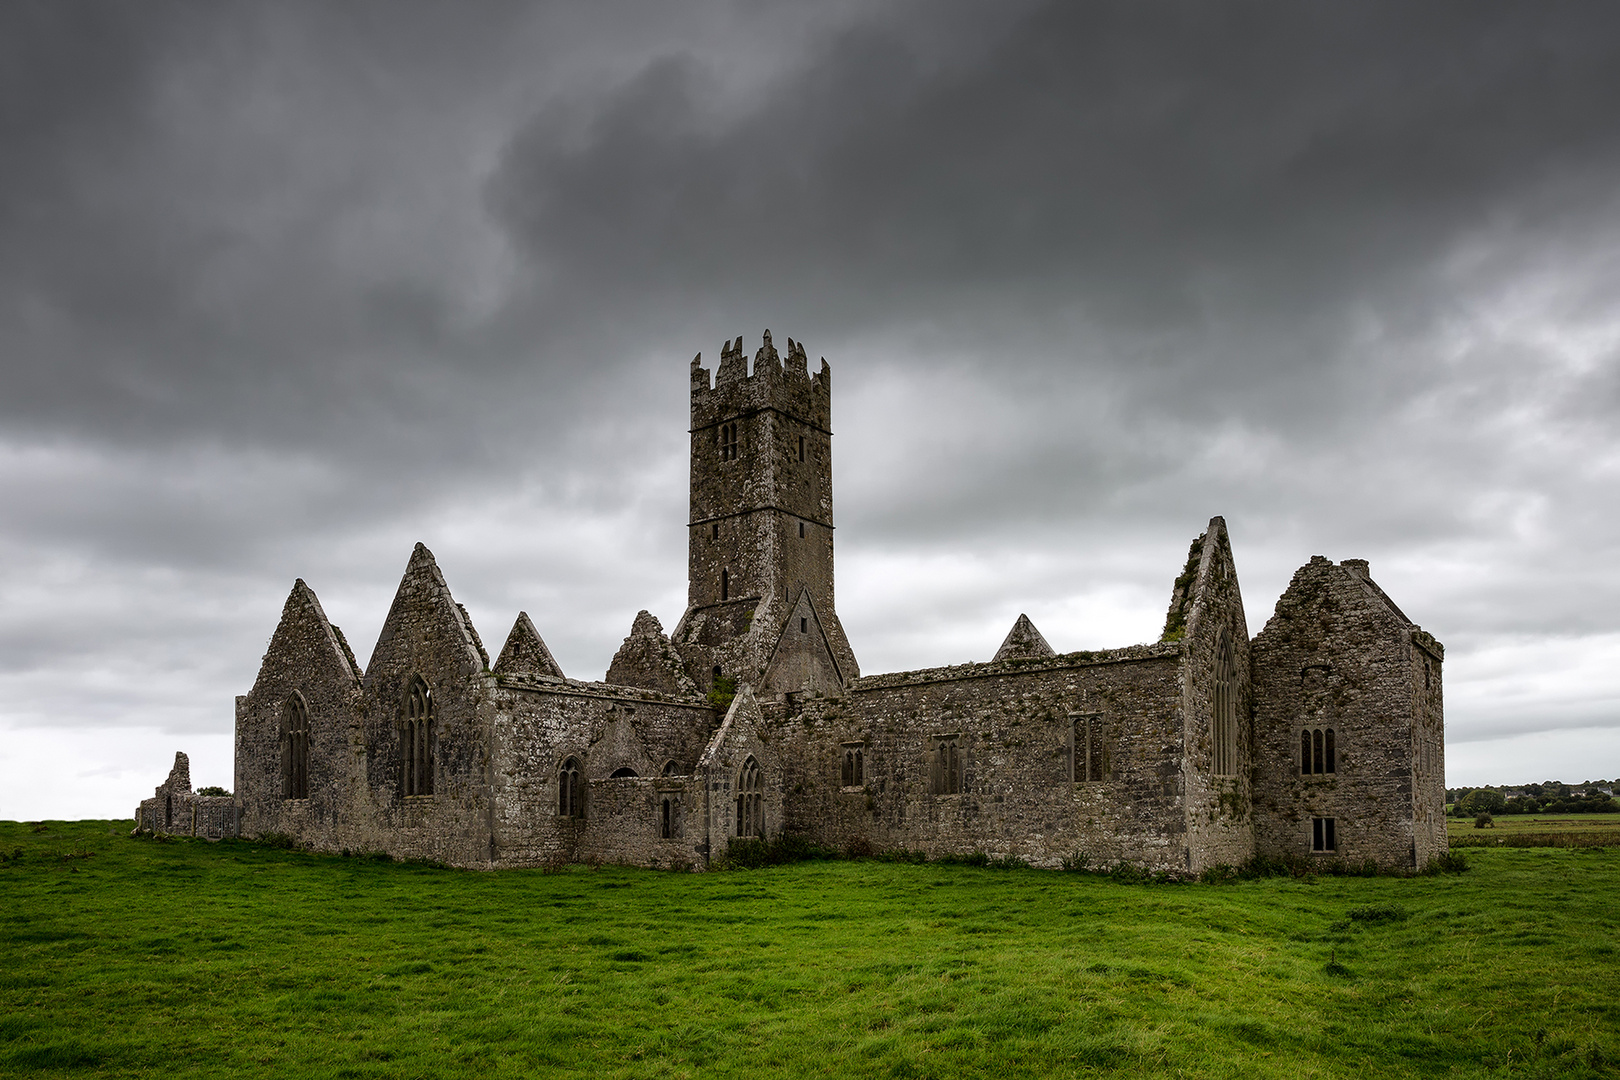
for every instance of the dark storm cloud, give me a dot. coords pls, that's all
(285, 288)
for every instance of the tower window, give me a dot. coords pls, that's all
(801, 447)
(804, 626)
(715, 535)
(728, 442)
(801, 530)
(725, 585)
(1324, 834)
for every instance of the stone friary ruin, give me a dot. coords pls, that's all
(1321, 737)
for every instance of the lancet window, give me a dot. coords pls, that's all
(570, 801)
(416, 739)
(854, 771)
(294, 747)
(1223, 719)
(945, 768)
(750, 800)
(728, 442)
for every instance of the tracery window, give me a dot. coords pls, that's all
(750, 800)
(294, 747)
(416, 739)
(1223, 719)
(945, 768)
(854, 770)
(1088, 748)
(1318, 752)
(570, 803)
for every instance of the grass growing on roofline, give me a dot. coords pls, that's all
(124, 957)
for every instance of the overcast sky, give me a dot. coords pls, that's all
(285, 288)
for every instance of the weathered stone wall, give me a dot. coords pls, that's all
(1339, 654)
(1016, 723)
(176, 810)
(1220, 827)
(538, 724)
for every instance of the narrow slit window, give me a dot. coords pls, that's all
(1305, 753)
(1328, 754)
(801, 530)
(804, 626)
(725, 585)
(801, 447)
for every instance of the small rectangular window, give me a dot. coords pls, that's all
(801, 530)
(1323, 834)
(804, 626)
(715, 535)
(801, 447)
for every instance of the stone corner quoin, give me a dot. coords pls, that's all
(1322, 737)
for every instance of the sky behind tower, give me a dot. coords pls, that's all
(287, 288)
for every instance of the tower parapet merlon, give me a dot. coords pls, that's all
(779, 382)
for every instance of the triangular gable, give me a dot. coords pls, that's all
(305, 645)
(1215, 597)
(1023, 642)
(1207, 585)
(648, 661)
(525, 652)
(802, 658)
(425, 626)
(738, 731)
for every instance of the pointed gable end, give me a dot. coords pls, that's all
(525, 652)
(425, 628)
(305, 646)
(1023, 642)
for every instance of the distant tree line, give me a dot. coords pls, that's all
(1550, 797)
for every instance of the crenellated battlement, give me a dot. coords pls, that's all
(776, 382)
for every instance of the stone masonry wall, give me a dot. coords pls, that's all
(1338, 654)
(1016, 723)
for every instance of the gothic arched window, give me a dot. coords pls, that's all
(569, 792)
(750, 800)
(1318, 752)
(1223, 714)
(416, 739)
(294, 747)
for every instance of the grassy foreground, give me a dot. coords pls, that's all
(129, 957)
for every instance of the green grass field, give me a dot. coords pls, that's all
(122, 957)
(1538, 830)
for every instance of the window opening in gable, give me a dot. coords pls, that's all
(570, 804)
(1088, 758)
(416, 739)
(804, 626)
(1223, 719)
(750, 800)
(671, 769)
(622, 773)
(1324, 832)
(294, 747)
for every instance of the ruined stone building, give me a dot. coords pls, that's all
(1321, 737)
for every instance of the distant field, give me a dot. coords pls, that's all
(123, 957)
(1538, 830)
